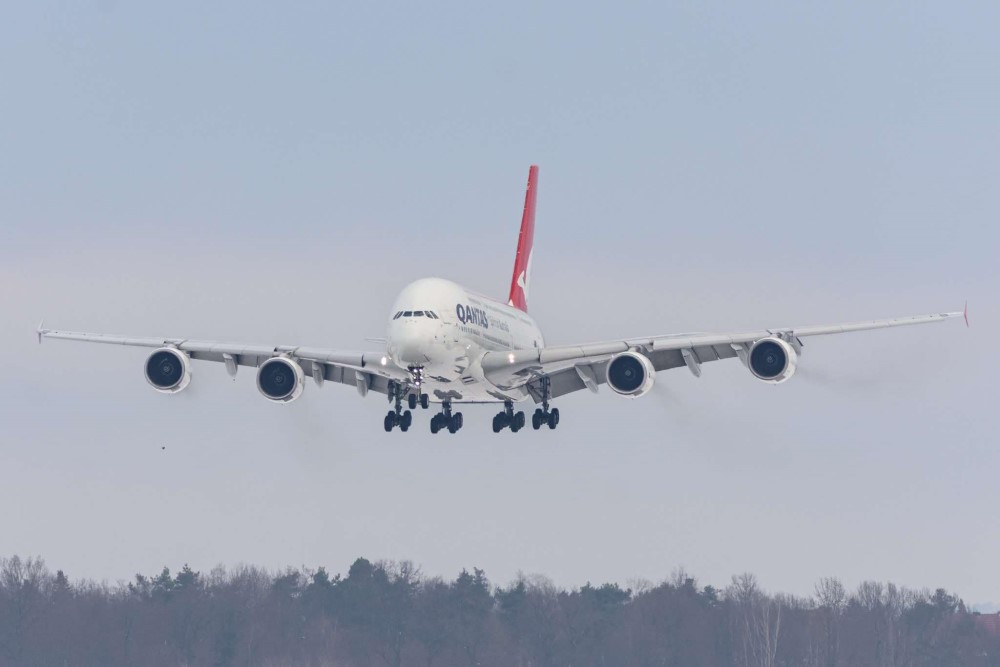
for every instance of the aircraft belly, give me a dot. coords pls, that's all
(468, 392)
(460, 379)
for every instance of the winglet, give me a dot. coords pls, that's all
(965, 314)
(39, 331)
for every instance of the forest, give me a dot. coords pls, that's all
(389, 614)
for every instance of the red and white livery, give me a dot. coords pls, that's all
(448, 346)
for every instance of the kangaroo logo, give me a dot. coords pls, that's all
(525, 278)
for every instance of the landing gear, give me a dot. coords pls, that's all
(423, 401)
(397, 391)
(396, 416)
(447, 419)
(403, 421)
(515, 420)
(543, 415)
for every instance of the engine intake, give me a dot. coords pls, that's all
(772, 360)
(168, 370)
(630, 374)
(280, 379)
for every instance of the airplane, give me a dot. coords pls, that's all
(449, 346)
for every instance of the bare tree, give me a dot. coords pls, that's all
(832, 600)
(757, 624)
(23, 584)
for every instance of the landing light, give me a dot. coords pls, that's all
(510, 357)
(384, 361)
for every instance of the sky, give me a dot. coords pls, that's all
(276, 174)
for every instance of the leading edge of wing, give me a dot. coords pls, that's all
(557, 357)
(208, 349)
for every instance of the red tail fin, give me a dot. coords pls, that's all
(522, 263)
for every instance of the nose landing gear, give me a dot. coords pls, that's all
(446, 419)
(417, 375)
(508, 418)
(413, 401)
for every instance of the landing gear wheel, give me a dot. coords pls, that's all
(390, 421)
(536, 419)
(517, 423)
(435, 423)
(405, 421)
(424, 401)
(411, 400)
(501, 420)
(554, 418)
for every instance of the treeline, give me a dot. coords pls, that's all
(388, 614)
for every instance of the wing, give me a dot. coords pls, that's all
(363, 370)
(570, 368)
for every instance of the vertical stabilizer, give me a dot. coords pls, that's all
(522, 262)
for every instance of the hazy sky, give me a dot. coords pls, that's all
(276, 174)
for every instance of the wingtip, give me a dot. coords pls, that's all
(40, 331)
(965, 314)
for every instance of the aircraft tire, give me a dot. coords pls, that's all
(554, 418)
(389, 422)
(424, 401)
(411, 400)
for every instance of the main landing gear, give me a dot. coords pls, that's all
(515, 420)
(543, 415)
(396, 416)
(446, 419)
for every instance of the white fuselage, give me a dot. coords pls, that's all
(440, 327)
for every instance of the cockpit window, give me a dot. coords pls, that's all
(416, 313)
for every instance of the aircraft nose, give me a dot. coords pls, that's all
(409, 344)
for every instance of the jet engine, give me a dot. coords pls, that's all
(280, 379)
(630, 374)
(168, 370)
(772, 360)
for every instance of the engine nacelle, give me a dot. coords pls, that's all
(772, 360)
(168, 370)
(280, 379)
(630, 374)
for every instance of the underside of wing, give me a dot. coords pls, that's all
(281, 372)
(629, 365)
